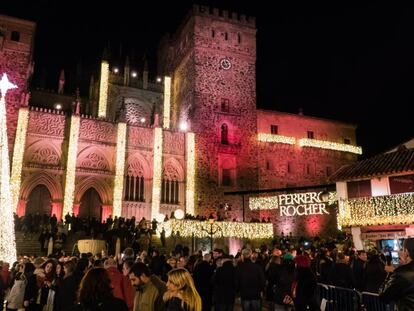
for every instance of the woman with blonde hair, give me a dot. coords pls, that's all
(181, 294)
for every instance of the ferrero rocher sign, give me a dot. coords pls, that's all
(292, 204)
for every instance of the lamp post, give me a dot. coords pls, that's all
(212, 232)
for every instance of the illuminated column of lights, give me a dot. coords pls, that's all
(18, 153)
(7, 236)
(272, 138)
(103, 89)
(156, 180)
(190, 185)
(167, 102)
(323, 144)
(119, 169)
(71, 165)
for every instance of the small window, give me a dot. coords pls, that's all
(359, 189)
(347, 141)
(213, 33)
(310, 135)
(238, 38)
(225, 106)
(401, 184)
(15, 36)
(224, 134)
(273, 129)
(290, 167)
(269, 165)
(226, 178)
(308, 169)
(226, 36)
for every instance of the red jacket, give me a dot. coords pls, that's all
(122, 286)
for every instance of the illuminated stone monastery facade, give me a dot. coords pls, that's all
(124, 150)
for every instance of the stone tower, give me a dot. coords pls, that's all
(16, 52)
(212, 61)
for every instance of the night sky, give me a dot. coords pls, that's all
(348, 63)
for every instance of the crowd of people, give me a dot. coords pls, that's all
(283, 276)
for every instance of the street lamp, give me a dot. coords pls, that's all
(212, 232)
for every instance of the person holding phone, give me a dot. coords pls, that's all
(399, 284)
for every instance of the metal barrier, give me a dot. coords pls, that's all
(371, 301)
(334, 298)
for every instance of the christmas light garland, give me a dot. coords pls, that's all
(273, 138)
(167, 102)
(119, 169)
(157, 174)
(103, 89)
(379, 210)
(323, 144)
(190, 182)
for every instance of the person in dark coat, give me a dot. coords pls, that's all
(375, 274)
(66, 292)
(95, 293)
(203, 273)
(250, 282)
(224, 286)
(359, 270)
(304, 286)
(283, 285)
(342, 274)
(399, 285)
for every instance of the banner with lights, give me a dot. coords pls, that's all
(294, 204)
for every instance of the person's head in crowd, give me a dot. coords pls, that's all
(181, 284)
(59, 269)
(362, 255)
(28, 269)
(302, 261)
(110, 262)
(172, 261)
(95, 288)
(128, 253)
(182, 262)
(98, 263)
(84, 256)
(407, 255)
(254, 256)
(38, 262)
(68, 268)
(49, 267)
(340, 258)
(126, 266)
(155, 253)
(246, 253)
(217, 253)
(207, 257)
(139, 275)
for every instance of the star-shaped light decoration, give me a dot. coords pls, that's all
(6, 85)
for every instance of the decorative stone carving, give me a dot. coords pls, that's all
(97, 130)
(95, 161)
(174, 143)
(135, 168)
(140, 137)
(46, 124)
(44, 155)
(171, 173)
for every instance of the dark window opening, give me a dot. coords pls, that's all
(310, 135)
(15, 36)
(290, 167)
(401, 184)
(347, 141)
(238, 38)
(170, 190)
(359, 189)
(225, 105)
(226, 36)
(134, 188)
(226, 178)
(213, 33)
(274, 129)
(224, 134)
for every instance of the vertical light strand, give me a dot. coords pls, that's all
(103, 89)
(71, 165)
(119, 169)
(18, 153)
(7, 236)
(167, 102)
(190, 183)
(156, 180)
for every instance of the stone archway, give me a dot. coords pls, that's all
(90, 204)
(39, 201)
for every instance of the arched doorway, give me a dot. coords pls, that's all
(90, 205)
(39, 201)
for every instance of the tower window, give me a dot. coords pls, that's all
(238, 38)
(226, 177)
(224, 134)
(225, 105)
(290, 168)
(273, 129)
(170, 190)
(226, 36)
(347, 141)
(15, 36)
(134, 188)
(310, 135)
(213, 33)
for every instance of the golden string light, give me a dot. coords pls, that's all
(103, 89)
(119, 169)
(156, 180)
(18, 153)
(71, 165)
(225, 229)
(7, 236)
(190, 183)
(273, 138)
(167, 102)
(322, 144)
(379, 210)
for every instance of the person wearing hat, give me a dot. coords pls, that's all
(304, 286)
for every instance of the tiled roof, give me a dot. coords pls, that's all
(384, 164)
